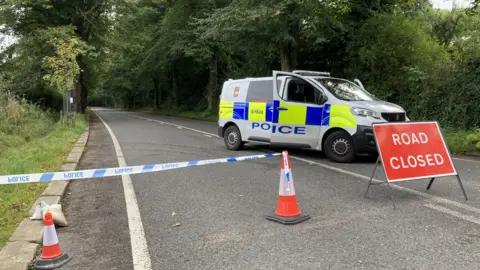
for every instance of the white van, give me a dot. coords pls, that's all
(303, 109)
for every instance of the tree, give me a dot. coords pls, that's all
(280, 24)
(89, 18)
(395, 55)
(63, 67)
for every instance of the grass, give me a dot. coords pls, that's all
(462, 142)
(43, 154)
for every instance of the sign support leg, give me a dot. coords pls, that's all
(370, 183)
(391, 194)
(430, 183)
(371, 178)
(461, 186)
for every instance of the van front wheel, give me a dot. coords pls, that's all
(233, 138)
(339, 147)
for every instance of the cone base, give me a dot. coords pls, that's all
(289, 220)
(51, 263)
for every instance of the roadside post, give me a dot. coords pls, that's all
(68, 112)
(412, 151)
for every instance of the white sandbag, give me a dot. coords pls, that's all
(37, 213)
(57, 214)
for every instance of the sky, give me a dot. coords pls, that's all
(447, 4)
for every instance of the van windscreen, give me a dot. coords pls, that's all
(345, 90)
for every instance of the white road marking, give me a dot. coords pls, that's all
(467, 159)
(209, 136)
(140, 255)
(454, 213)
(175, 125)
(431, 198)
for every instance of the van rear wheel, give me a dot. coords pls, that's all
(339, 147)
(233, 138)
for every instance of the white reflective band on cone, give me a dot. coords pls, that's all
(50, 236)
(286, 188)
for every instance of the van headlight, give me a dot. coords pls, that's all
(364, 112)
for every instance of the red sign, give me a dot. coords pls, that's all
(412, 150)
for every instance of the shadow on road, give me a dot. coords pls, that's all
(310, 153)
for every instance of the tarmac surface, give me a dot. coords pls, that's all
(221, 208)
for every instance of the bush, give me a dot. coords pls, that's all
(460, 142)
(20, 121)
(474, 139)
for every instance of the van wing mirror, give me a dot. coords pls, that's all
(322, 99)
(357, 81)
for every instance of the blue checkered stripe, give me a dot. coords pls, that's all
(106, 172)
(315, 116)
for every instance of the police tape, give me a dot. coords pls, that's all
(106, 172)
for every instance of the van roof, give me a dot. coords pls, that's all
(251, 79)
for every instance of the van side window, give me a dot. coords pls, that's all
(260, 91)
(301, 91)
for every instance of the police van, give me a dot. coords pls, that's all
(303, 109)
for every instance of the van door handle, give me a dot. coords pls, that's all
(282, 109)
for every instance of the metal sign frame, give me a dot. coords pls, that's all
(432, 177)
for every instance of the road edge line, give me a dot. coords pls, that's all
(138, 242)
(453, 213)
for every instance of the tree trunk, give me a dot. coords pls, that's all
(212, 81)
(157, 93)
(84, 93)
(77, 94)
(288, 57)
(81, 91)
(174, 87)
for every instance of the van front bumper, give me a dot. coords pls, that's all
(365, 140)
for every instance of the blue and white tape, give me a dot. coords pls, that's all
(98, 173)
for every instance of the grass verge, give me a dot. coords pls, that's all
(462, 142)
(43, 154)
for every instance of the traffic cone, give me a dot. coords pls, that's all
(52, 256)
(287, 212)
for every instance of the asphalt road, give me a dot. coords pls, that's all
(222, 208)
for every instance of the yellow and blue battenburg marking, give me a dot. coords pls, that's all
(337, 115)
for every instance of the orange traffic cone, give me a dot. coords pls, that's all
(287, 212)
(52, 256)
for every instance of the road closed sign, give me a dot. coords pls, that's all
(412, 150)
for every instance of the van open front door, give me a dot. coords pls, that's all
(296, 111)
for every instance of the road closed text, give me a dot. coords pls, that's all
(413, 161)
(416, 161)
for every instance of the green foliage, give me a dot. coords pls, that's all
(63, 67)
(174, 55)
(68, 25)
(400, 62)
(461, 142)
(20, 121)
